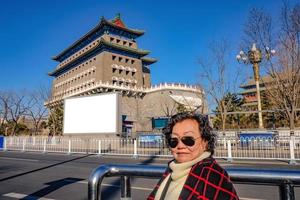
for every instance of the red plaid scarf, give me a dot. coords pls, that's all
(207, 180)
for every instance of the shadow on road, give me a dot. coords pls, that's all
(52, 186)
(42, 168)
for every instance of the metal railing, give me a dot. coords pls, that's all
(286, 180)
(230, 148)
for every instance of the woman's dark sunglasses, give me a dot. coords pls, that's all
(186, 140)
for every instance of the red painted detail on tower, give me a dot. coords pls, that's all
(119, 23)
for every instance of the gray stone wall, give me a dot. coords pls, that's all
(141, 110)
(100, 60)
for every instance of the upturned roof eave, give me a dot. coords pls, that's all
(99, 25)
(149, 60)
(140, 52)
(249, 91)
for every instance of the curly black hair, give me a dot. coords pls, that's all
(204, 128)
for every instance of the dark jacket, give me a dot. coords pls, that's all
(206, 180)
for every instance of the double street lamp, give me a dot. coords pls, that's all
(254, 57)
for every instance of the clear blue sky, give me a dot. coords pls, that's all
(177, 33)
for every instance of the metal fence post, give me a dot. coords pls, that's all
(292, 150)
(224, 142)
(95, 180)
(69, 150)
(125, 188)
(135, 154)
(24, 142)
(229, 158)
(287, 191)
(4, 144)
(99, 147)
(45, 143)
(87, 145)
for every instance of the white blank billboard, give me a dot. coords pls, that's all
(92, 114)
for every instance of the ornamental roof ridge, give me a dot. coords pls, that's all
(130, 30)
(118, 21)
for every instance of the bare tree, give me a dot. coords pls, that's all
(18, 106)
(283, 88)
(217, 78)
(4, 110)
(172, 103)
(258, 29)
(168, 108)
(38, 111)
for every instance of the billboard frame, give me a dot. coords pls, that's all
(118, 115)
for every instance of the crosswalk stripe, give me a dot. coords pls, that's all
(21, 196)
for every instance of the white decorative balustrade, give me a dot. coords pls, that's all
(174, 86)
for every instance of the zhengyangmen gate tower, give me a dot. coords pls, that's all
(107, 59)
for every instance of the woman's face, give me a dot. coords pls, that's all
(183, 153)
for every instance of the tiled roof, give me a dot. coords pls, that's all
(99, 26)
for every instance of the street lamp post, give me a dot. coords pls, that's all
(254, 57)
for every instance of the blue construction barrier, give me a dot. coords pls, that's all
(150, 140)
(1, 142)
(264, 139)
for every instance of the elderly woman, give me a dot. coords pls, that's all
(193, 174)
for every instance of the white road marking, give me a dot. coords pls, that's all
(136, 188)
(111, 185)
(20, 196)
(20, 159)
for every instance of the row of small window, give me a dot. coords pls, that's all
(80, 52)
(119, 41)
(119, 71)
(121, 59)
(123, 83)
(76, 78)
(58, 94)
(76, 68)
(123, 79)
